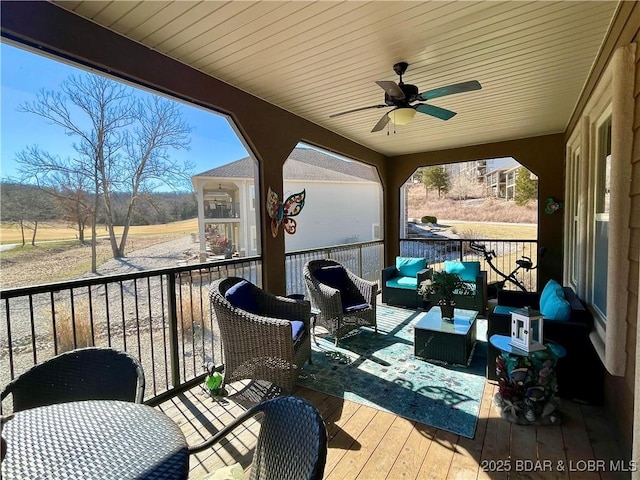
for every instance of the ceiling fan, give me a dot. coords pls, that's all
(401, 96)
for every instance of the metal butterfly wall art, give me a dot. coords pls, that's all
(281, 212)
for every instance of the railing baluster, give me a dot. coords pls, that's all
(137, 313)
(106, 309)
(151, 342)
(173, 330)
(33, 331)
(92, 323)
(122, 314)
(72, 307)
(164, 334)
(54, 329)
(9, 339)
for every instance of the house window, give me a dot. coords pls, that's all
(252, 200)
(601, 187)
(573, 233)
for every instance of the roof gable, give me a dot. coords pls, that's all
(302, 164)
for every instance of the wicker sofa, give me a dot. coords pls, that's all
(471, 274)
(400, 282)
(580, 373)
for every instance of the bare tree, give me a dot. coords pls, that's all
(26, 207)
(74, 201)
(122, 142)
(462, 187)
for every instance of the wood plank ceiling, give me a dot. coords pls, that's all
(319, 58)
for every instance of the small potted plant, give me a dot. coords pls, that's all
(442, 288)
(213, 383)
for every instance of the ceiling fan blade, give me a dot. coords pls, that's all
(392, 89)
(441, 113)
(449, 90)
(381, 123)
(357, 110)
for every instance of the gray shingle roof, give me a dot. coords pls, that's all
(303, 164)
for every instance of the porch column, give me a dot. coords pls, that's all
(245, 208)
(201, 235)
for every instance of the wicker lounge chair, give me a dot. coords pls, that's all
(264, 336)
(345, 301)
(84, 374)
(292, 442)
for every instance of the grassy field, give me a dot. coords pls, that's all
(493, 231)
(52, 232)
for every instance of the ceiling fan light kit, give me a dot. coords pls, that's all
(402, 96)
(401, 116)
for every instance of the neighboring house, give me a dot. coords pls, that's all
(344, 194)
(499, 177)
(497, 174)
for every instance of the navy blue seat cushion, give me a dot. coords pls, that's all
(297, 329)
(241, 296)
(356, 308)
(336, 277)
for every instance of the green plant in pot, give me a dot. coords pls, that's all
(442, 288)
(213, 382)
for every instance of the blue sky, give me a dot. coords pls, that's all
(23, 74)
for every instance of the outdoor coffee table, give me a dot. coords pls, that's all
(446, 341)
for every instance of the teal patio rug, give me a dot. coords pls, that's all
(380, 370)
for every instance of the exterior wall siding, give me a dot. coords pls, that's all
(620, 391)
(334, 213)
(631, 379)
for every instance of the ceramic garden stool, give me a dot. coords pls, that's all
(527, 385)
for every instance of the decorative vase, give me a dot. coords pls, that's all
(446, 309)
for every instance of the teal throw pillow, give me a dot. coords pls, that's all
(556, 307)
(551, 288)
(409, 267)
(468, 271)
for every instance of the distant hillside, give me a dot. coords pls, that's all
(22, 202)
(486, 209)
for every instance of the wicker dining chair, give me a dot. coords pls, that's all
(291, 444)
(92, 373)
(264, 336)
(345, 301)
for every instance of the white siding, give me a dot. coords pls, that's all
(334, 213)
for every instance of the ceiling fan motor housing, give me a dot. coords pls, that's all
(410, 94)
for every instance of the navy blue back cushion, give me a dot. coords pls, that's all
(336, 277)
(241, 296)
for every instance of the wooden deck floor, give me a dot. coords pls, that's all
(365, 443)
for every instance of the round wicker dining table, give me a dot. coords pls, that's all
(96, 439)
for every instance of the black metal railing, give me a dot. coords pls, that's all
(365, 259)
(162, 316)
(438, 250)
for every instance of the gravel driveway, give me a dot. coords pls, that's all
(162, 255)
